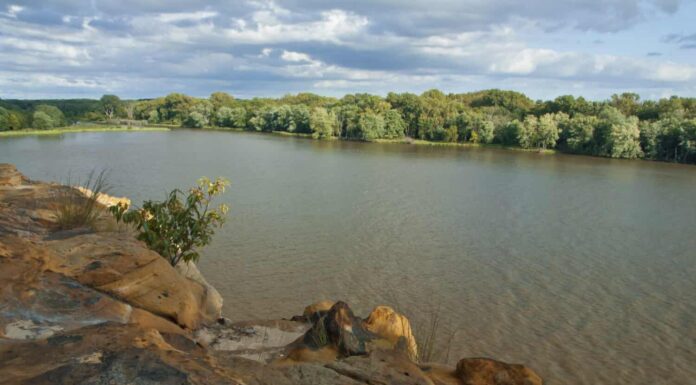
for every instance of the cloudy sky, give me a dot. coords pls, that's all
(147, 48)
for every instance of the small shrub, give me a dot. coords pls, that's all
(77, 209)
(174, 227)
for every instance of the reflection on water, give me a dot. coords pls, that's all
(579, 267)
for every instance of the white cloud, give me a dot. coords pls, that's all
(332, 26)
(185, 16)
(12, 11)
(292, 56)
(502, 52)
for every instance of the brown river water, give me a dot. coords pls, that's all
(582, 268)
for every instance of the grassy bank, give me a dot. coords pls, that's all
(65, 130)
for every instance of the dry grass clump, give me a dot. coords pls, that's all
(76, 209)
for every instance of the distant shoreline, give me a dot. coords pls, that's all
(65, 130)
(405, 140)
(171, 127)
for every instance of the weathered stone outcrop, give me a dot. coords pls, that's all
(95, 306)
(484, 371)
(110, 261)
(104, 199)
(393, 327)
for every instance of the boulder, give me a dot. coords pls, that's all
(395, 328)
(117, 264)
(212, 302)
(485, 371)
(9, 176)
(340, 328)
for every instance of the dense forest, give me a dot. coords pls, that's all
(621, 127)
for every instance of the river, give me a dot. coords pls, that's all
(582, 268)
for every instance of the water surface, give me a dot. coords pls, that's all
(582, 268)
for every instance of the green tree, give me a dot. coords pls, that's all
(410, 107)
(627, 103)
(221, 99)
(322, 123)
(4, 119)
(300, 118)
(231, 117)
(175, 108)
(153, 116)
(579, 133)
(624, 139)
(110, 104)
(666, 139)
(509, 133)
(394, 125)
(42, 121)
(526, 135)
(370, 126)
(483, 130)
(195, 120)
(539, 133)
(176, 228)
(547, 131)
(15, 121)
(57, 117)
(608, 118)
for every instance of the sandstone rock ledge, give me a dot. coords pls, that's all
(95, 306)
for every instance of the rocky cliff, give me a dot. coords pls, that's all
(95, 306)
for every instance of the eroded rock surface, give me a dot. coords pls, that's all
(484, 371)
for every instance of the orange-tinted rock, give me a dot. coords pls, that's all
(484, 371)
(318, 307)
(315, 311)
(111, 262)
(37, 303)
(9, 176)
(440, 374)
(103, 199)
(395, 328)
(211, 307)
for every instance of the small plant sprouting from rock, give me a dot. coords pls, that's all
(77, 203)
(176, 227)
(320, 337)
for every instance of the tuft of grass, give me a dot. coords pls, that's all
(77, 209)
(320, 336)
(434, 334)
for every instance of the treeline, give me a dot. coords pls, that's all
(621, 127)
